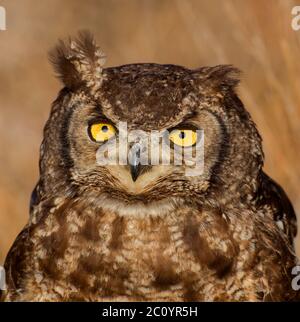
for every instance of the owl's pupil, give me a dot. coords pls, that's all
(104, 128)
(182, 135)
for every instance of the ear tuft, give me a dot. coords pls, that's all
(220, 76)
(79, 62)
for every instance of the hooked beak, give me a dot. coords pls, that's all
(135, 171)
(134, 160)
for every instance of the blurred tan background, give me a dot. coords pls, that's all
(254, 35)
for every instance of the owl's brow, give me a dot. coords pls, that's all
(96, 115)
(97, 119)
(186, 120)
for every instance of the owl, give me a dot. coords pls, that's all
(150, 232)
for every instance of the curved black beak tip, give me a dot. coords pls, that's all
(135, 171)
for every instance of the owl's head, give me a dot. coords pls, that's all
(184, 106)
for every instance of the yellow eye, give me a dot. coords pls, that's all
(101, 132)
(184, 138)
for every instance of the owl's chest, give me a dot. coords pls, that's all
(141, 258)
(146, 258)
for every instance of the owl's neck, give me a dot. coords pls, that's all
(157, 208)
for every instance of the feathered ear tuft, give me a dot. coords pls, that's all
(220, 76)
(79, 62)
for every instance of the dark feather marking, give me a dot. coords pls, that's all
(165, 275)
(190, 294)
(91, 264)
(90, 230)
(79, 280)
(118, 227)
(203, 253)
(57, 243)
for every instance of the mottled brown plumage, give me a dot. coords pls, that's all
(94, 234)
